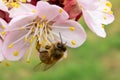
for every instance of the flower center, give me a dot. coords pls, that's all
(13, 3)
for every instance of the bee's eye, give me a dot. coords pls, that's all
(59, 45)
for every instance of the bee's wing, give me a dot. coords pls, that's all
(46, 67)
(43, 67)
(37, 67)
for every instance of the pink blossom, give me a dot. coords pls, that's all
(40, 27)
(96, 13)
(3, 25)
(100, 16)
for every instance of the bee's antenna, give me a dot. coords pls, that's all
(60, 37)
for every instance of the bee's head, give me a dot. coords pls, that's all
(61, 46)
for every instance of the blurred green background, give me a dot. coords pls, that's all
(96, 59)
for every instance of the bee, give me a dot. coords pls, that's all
(50, 55)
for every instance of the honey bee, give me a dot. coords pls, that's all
(52, 54)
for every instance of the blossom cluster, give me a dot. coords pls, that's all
(23, 23)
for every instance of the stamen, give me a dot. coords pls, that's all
(11, 45)
(110, 12)
(103, 26)
(72, 28)
(32, 38)
(24, 1)
(105, 18)
(34, 11)
(43, 16)
(60, 10)
(16, 53)
(31, 49)
(3, 27)
(3, 33)
(108, 3)
(73, 42)
(27, 61)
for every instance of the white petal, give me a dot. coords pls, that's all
(3, 7)
(71, 32)
(95, 26)
(23, 9)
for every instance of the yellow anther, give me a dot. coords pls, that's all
(16, 53)
(72, 28)
(7, 64)
(22, 28)
(3, 33)
(14, 4)
(27, 61)
(105, 9)
(110, 12)
(31, 40)
(40, 26)
(108, 3)
(43, 17)
(3, 27)
(11, 45)
(105, 18)
(60, 10)
(73, 42)
(34, 11)
(103, 26)
(24, 1)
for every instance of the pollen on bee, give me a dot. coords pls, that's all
(11, 45)
(60, 10)
(16, 53)
(72, 28)
(73, 42)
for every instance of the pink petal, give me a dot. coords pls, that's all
(23, 9)
(2, 23)
(76, 35)
(50, 11)
(89, 4)
(96, 27)
(20, 21)
(18, 50)
(1, 53)
(101, 17)
(3, 7)
(12, 36)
